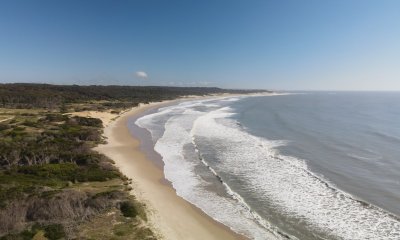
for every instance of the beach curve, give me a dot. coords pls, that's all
(171, 216)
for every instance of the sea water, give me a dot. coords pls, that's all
(315, 165)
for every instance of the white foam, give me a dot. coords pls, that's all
(151, 122)
(192, 187)
(286, 181)
(290, 186)
(231, 99)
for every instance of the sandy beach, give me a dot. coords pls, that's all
(171, 216)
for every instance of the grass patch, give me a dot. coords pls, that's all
(60, 171)
(56, 174)
(20, 181)
(126, 228)
(123, 229)
(37, 231)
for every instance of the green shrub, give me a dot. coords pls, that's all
(54, 117)
(128, 209)
(28, 114)
(25, 235)
(123, 229)
(18, 128)
(4, 127)
(88, 121)
(30, 123)
(17, 133)
(54, 231)
(21, 181)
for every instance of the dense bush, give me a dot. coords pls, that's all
(51, 232)
(54, 117)
(30, 123)
(54, 231)
(87, 121)
(25, 235)
(67, 172)
(56, 96)
(22, 181)
(128, 209)
(60, 139)
(4, 127)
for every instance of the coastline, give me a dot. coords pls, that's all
(170, 216)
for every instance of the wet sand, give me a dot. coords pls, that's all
(171, 216)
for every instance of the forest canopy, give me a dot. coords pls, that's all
(28, 95)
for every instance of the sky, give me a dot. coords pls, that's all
(278, 45)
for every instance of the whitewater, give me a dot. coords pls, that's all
(245, 181)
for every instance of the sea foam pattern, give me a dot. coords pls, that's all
(189, 185)
(284, 180)
(291, 186)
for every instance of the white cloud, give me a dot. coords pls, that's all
(205, 83)
(141, 75)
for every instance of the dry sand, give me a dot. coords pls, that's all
(171, 216)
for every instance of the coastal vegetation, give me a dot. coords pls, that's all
(52, 184)
(51, 181)
(65, 97)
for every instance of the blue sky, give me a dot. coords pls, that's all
(292, 45)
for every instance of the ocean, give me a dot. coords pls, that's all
(312, 165)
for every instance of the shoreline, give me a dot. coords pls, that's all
(170, 216)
